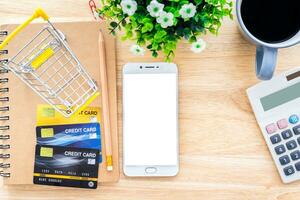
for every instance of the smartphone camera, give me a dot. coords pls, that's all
(141, 67)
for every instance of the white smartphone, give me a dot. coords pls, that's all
(150, 119)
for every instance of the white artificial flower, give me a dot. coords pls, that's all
(165, 19)
(198, 46)
(187, 11)
(137, 50)
(154, 8)
(129, 6)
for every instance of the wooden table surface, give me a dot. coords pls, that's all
(222, 152)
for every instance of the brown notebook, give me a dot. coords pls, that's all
(22, 102)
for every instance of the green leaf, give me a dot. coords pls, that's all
(144, 29)
(113, 24)
(192, 39)
(146, 20)
(198, 2)
(147, 27)
(183, 2)
(129, 34)
(160, 34)
(154, 54)
(155, 46)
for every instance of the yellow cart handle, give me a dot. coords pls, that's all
(39, 12)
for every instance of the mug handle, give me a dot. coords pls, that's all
(266, 59)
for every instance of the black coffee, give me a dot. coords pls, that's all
(271, 21)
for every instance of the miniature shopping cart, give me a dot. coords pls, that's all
(49, 67)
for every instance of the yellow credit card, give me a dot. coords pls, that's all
(47, 115)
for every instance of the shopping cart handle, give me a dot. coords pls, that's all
(39, 12)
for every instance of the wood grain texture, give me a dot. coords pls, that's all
(222, 152)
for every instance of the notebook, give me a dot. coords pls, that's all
(18, 103)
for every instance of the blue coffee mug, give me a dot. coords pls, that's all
(266, 53)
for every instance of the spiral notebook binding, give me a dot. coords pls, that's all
(3, 116)
(4, 108)
(3, 80)
(3, 174)
(4, 99)
(4, 165)
(4, 137)
(4, 155)
(4, 146)
(3, 33)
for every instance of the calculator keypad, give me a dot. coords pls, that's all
(283, 123)
(298, 140)
(296, 130)
(280, 149)
(289, 170)
(271, 128)
(297, 165)
(295, 155)
(284, 136)
(275, 139)
(291, 145)
(293, 119)
(284, 160)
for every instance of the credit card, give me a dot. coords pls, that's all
(71, 135)
(47, 115)
(66, 166)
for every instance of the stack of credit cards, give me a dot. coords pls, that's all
(71, 135)
(68, 155)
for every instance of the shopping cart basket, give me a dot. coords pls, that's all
(49, 67)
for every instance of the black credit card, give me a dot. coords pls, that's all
(66, 166)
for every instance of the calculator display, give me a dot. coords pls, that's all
(280, 97)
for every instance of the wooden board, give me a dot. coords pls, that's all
(222, 152)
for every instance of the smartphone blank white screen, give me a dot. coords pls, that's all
(150, 119)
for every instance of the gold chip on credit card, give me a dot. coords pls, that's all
(46, 152)
(47, 132)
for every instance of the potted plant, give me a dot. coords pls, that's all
(159, 25)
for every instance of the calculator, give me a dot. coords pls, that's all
(276, 105)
